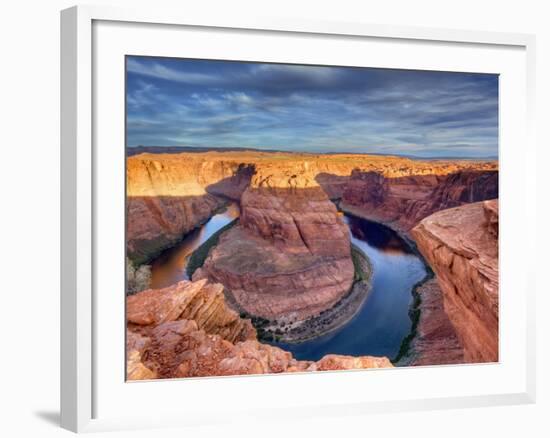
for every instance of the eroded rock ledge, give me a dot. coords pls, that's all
(186, 330)
(461, 245)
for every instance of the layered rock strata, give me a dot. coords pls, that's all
(435, 341)
(461, 246)
(167, 197)
(156, 223)
(169, 194)
(402, 202)
(198, 301)
(187, 331)
(290, 256)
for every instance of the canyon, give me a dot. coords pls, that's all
(288, 258)
(170, 194)
(402, 202)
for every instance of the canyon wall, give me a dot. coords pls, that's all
(186, 330)
(461, 246)
(402, 202)
(169, 194)
(167, 197)
(156, 223)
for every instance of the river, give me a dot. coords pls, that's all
(171, 266)
(383, 320)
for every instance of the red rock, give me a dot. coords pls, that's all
(180, 349)
(155, 306)
(296, 220)
(135, 369)
(338, 362)
(436, 341)
(156, 223)
(402, 202)
(461, 246)
(169, 194)
(203, 303)
(174, 346)
(290, 256)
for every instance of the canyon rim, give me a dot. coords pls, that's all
(293, 218)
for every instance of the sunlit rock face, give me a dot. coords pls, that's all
(461, 245)
(186, 330)
(198, 301)
(169, 194)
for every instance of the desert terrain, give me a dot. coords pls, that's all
(317, 246)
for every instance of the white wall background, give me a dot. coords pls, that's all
(29, 217)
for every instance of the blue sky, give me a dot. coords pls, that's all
(180, 102)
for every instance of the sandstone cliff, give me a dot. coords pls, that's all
(169, 194)
(156, 223)
(461, 245)
(167, 197)
(186, 330)
(402, 202)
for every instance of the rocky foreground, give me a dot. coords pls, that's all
(186, 330)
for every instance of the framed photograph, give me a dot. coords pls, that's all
(313, 217)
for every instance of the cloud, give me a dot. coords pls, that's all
(159, 71)
(325, 109)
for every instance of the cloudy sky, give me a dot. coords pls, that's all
(178, 102)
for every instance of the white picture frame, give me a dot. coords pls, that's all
(85, 176)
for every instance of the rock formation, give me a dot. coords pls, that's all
(186, 330)
(167, 197)
(169, 194)
(290, 255)
(402, 202)
(157, 223)
(201, 302)
(461, 245)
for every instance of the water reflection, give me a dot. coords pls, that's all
(377, 235)
(171, 266)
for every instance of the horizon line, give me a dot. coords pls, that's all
(274, 150)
